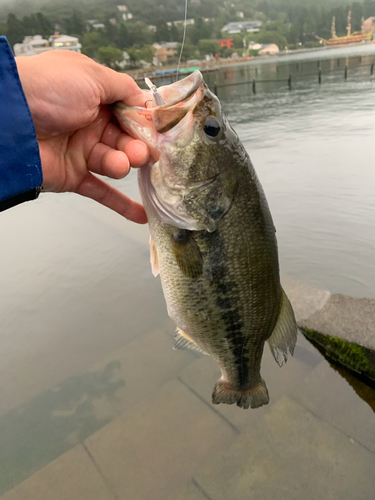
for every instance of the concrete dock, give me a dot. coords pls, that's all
(139, 424)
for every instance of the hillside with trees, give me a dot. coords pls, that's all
(288, 23)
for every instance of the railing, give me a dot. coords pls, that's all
(289, 81)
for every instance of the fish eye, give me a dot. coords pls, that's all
(211, 127)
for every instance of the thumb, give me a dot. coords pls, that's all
(119, 87)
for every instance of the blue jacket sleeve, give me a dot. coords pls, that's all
(20, 165)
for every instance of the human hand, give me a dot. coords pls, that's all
(68, 94)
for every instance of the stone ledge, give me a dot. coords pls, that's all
(337, 315)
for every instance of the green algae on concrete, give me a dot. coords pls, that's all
(353, 356)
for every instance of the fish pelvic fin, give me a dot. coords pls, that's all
(254, 397)
(183, 341)
(284, 335)
(154, 260)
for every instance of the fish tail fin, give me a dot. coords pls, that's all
(284, 335)
(255, 397)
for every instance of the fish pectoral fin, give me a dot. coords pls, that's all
(187, 254)
(284, 335)
(154, 258)
(183, 341)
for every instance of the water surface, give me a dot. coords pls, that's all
(94, 404)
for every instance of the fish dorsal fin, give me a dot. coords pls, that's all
(183, 341)
(284, 335)
(187, 254)
(154, 258)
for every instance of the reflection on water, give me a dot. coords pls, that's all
(85, 341)
(354, 363)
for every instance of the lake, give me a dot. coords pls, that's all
(94, 403)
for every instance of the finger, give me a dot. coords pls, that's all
(136, 151)
(107, 195)
(104, 160)
(110, 135)
(119, 87)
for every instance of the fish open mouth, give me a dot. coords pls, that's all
(179, 97)
(166, 128)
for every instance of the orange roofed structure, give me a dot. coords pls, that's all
(226, 42)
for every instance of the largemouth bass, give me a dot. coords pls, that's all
(212, 238)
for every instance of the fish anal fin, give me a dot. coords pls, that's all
(284, 335)
(187, 254)
(183, 341)
(253, 397)
(154, 258)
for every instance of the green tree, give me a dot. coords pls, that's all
(189, 51)
(37, 24)
(146, 53)
(140, 33)
(110, 56)
(201, 31)
(272, 37)
(124, 38)
(162, 31)
(15, 30)
(91, 43)
(75, 24)
(208, 47)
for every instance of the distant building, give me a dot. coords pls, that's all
(177, 23)
(165, 52)
(239, 27)
(125, 62)
(255, 46)
(66, 42)
(124, 12)
(269, 49)
(33, 45)
(93, 23)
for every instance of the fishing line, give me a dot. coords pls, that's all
(183, 42)
(158, 98)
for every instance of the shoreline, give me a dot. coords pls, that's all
(140, 74)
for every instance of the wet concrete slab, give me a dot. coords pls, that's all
(202, 376)
(72, 476)
(329, 396)
(58, 419)
(155, 447)
(290, 454)
(190, 491)
(143, 366)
